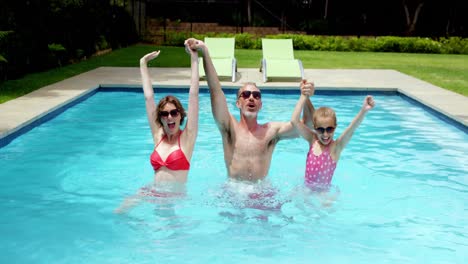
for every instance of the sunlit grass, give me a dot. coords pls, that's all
(446, 71)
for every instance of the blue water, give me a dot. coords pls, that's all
(401, 187)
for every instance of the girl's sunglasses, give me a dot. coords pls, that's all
(173, 113)
(246, 94)
(322, 130)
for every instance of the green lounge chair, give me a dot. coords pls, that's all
(222, 55)
(278, 60)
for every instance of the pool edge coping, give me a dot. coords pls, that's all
(81, 93)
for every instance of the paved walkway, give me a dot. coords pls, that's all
(22, 111)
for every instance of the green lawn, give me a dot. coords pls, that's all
(446, 71)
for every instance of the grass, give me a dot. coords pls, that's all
(446, 71)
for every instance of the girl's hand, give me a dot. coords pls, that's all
(369, 103)
(145, 59)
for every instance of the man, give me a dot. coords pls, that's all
(248, 146)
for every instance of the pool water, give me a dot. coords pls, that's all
(400, 187)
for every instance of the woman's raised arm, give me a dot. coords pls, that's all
(191, 130)
(149, 92)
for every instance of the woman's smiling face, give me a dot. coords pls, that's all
(170, 118)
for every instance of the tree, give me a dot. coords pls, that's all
(249, 12)
(411, 21)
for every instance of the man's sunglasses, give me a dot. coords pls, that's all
(246, 94)
(173, 113)
(322, 130)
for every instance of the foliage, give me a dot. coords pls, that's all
(5, 37)
(80, 27)
(447, 71)
(57, 54)
(54, 47)
(176, 38)
(452, 45)
(247, 41)
(4, 42)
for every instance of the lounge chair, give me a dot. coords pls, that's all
(222, 55)
(278, 60)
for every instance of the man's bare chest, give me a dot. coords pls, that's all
(254, 143)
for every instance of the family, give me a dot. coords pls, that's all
(248, 146)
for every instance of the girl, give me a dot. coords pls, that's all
(324, 152)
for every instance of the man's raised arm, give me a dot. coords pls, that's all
(218, 99)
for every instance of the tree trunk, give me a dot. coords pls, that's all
(326, 10)
(411, 23)
(249, 12)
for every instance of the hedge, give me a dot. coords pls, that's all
(450, 45)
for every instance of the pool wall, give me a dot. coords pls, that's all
(11, 135)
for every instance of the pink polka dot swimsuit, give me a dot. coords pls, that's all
(319, 169)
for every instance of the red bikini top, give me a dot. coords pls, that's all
(175, 161)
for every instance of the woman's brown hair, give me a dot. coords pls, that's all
(173, 100)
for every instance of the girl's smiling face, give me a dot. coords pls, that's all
(325, 128)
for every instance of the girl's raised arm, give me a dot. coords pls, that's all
(349, 131)
(304, 131)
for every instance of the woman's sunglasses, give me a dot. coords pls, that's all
(322, 130)
(173, 113)
(246, 94)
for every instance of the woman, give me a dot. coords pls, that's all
(173, 146)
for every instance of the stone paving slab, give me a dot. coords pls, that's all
(18, 113)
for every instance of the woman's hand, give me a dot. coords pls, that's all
(145, 59)
(193, 53)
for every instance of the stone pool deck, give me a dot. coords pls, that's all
(18, 113)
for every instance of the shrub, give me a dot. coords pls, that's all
(5, 39)
(358, 44)
(247, 41)
(176, 38)
(57, 54)
(11, 49)
(453, 45)
(3, 63)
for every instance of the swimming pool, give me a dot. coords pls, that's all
(403, 184)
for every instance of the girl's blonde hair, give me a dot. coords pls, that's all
(324, 112)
